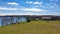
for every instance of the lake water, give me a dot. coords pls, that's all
(8, 20)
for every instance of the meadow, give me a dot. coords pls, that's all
(33, 27)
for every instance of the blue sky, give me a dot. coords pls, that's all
(29, 7)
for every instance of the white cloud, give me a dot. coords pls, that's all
(27, 13)
(33, 9)
(23, 9)
(52, 6)
(30, 2)
(4, 8)
(12, 3)
(3, 14)
(38, 3)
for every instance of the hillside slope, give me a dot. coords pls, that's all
(33, 27)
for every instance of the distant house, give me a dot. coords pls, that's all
(46, 18)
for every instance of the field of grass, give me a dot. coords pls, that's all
(33, 27)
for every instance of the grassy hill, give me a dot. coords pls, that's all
(33, 27)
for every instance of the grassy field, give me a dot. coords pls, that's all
(33, 27)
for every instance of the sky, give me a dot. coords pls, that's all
(29, 7)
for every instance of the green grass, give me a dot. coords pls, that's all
(33, 27)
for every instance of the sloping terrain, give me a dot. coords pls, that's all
(33, 27)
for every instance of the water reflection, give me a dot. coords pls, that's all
(8, 20)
